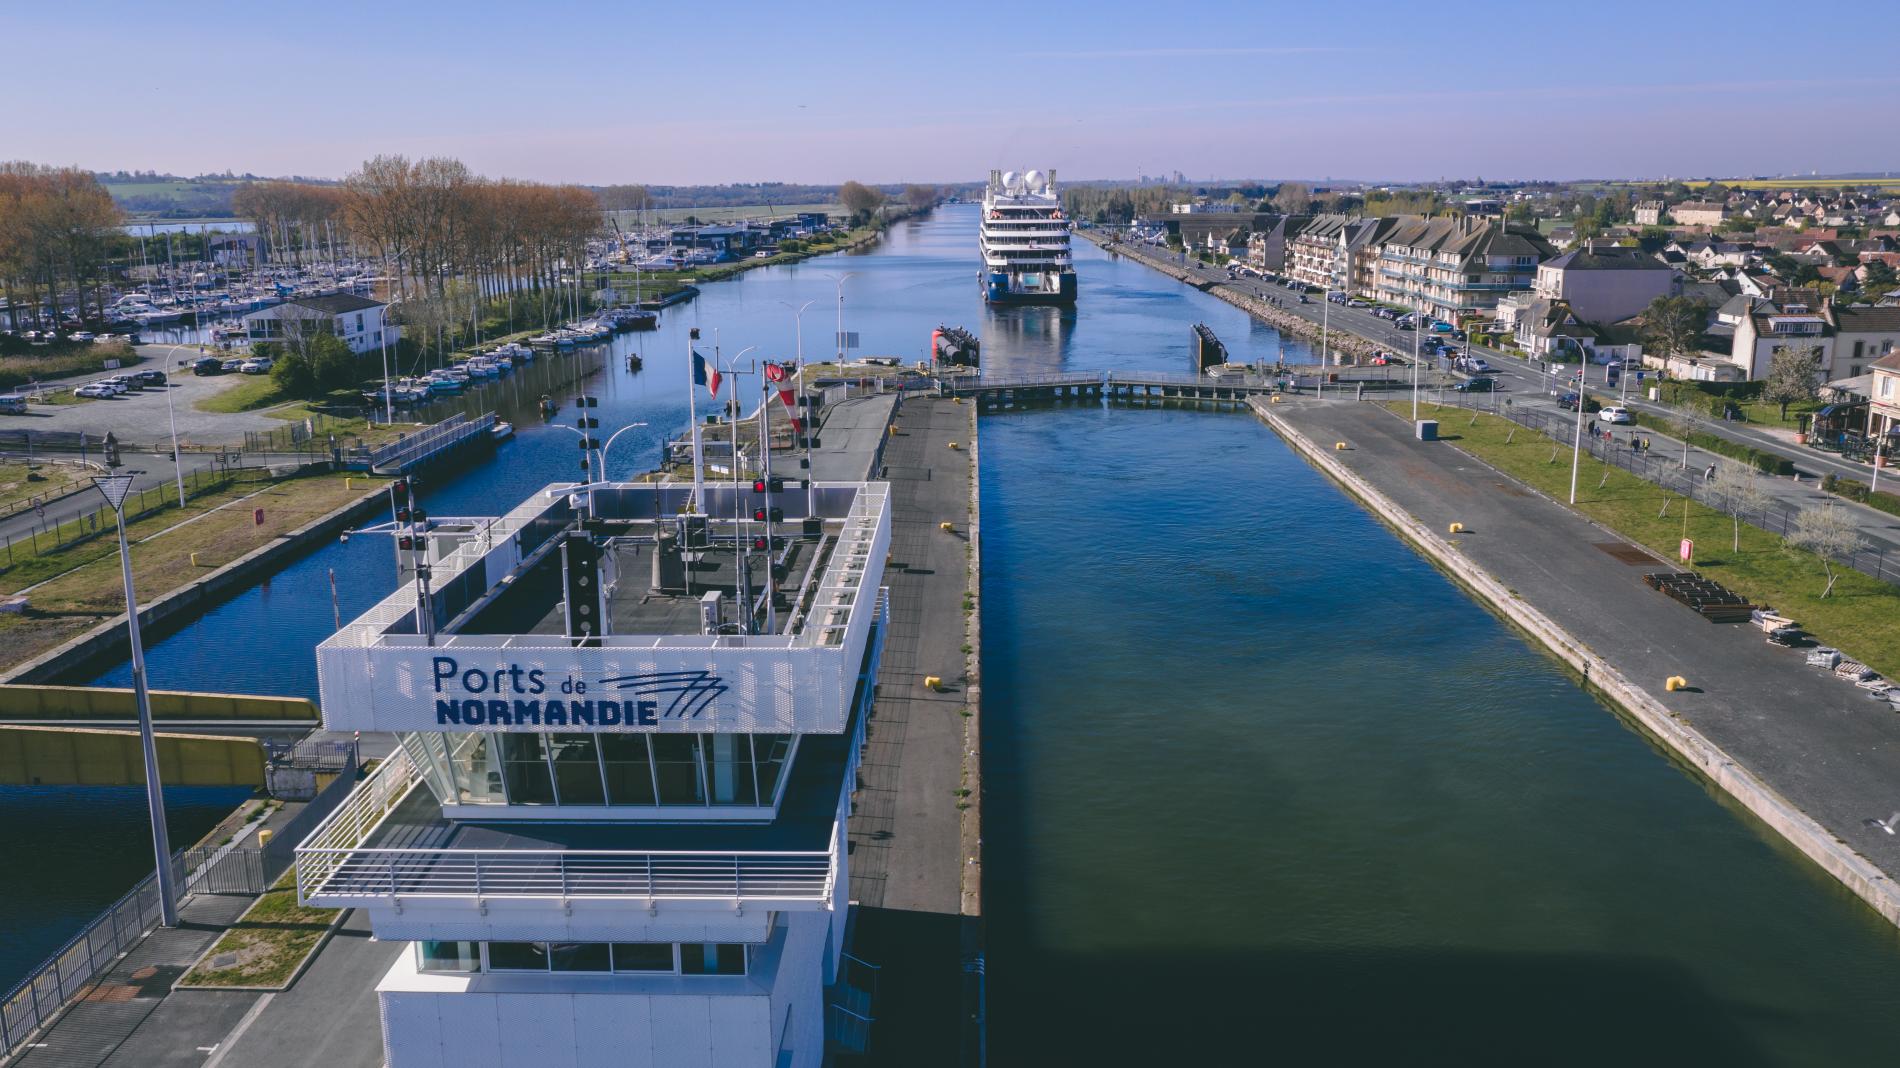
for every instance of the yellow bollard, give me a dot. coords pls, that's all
(933, 682)
(946, 526)
(349, 482)
(1339, 446)
(956, 400)
(893, 430)
(953, 446)
(264, 836)
(1457, 528)
(194, 559)
(1675, 682)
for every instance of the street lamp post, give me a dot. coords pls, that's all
(1576, 448)
(178, 460)
(114, 488)
(840, 280)
(1319, 384)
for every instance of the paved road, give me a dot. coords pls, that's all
(1536, 386)
(1820, 742)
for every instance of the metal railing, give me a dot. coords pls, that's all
(35, 1000)
(350, 825)
(1664, 468)
(352, 875)
(416, 448)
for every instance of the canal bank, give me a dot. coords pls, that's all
(1807, 755)
(106, 643)
(914, 834)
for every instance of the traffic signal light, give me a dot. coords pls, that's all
(590, 443)
(768, 485)
(402, 515)
(587, 423)
(768, 515)
(405, 543)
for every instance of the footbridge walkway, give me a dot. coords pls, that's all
(1153, 388)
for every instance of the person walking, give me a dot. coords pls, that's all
(1709, 475)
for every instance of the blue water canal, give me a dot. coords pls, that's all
(1261, 785)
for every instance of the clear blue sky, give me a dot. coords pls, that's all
(743, 91)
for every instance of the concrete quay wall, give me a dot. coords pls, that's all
(1854, 871)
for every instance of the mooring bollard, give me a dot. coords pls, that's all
(1457, 528)
(933, 682)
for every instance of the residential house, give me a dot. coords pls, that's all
(1761, 327)
(1699, 213)
(1883, 392)
(1602, 283)
(357, 320)
(1313, 253)
(1649, 213)
(1863, 335)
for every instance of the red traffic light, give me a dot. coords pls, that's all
(402, 515)
(405, 543)
(761, 544)
(758, 485)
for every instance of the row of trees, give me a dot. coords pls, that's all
(57, 228)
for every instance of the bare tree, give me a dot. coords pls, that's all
(1829, 533)
(920, 197)
(1737, 490)
(860, 200)
(1686, 415)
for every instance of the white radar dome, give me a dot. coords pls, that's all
(1036, 181)
(1012, 181)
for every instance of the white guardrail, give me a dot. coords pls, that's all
(335, 870)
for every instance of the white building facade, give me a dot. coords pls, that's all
(359, 321)
(614, 832)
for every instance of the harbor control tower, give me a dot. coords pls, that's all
(614, 829)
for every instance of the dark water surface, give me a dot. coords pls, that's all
(1262, 786)
(1265, 787)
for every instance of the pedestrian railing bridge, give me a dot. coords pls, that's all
(1143, 388)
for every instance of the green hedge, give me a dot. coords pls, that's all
(1858, 491)
(1766, 462)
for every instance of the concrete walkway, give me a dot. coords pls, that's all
(905, 830)
(1818, 742)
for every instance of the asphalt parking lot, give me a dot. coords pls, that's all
(143, 417)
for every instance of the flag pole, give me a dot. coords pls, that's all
(692, 413)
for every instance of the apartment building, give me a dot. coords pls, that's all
(1602, 283)
(1453, 268)
(1698, 213)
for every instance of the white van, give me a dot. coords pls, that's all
(12, 404)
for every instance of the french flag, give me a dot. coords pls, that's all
(704, 376)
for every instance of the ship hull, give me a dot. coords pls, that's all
(997, 290)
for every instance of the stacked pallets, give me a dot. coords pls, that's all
(1713, 601)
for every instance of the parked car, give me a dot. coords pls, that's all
(126, 383)
(83, 335)
(95, 389)
(1479, 364)
(1384, 359)
(1440, 326)
(1358, 302)
(1476, 385)
(256, 365)
(12, 404)
(150, 377)
(1568, 402)
(1304, 299)
(1616, 414)
(232, 366)
(1406, 324)
(209, 365)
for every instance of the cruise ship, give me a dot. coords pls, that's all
(1025, 241)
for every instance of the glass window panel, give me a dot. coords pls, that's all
(518, 956)
(674, 757)
(629, 775)
(577, 769)
(643, 956)
(477, 762)
(773, 751)
(449, 956)
(579, 957)
(729, 765)
(712, 958)
(524, 760)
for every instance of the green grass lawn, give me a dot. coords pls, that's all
(20, 481)
(1862, 617)
(256, 391)
(267, 944)
(1765, 414)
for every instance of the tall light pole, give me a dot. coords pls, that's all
(840, 280)
(1319, 384)
(114, 488)
(178, 459)
(1418, 327)
(1576, 448)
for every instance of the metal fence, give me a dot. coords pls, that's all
(53, 536)
(1664, 468)
(309, 435)
(65, 975)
